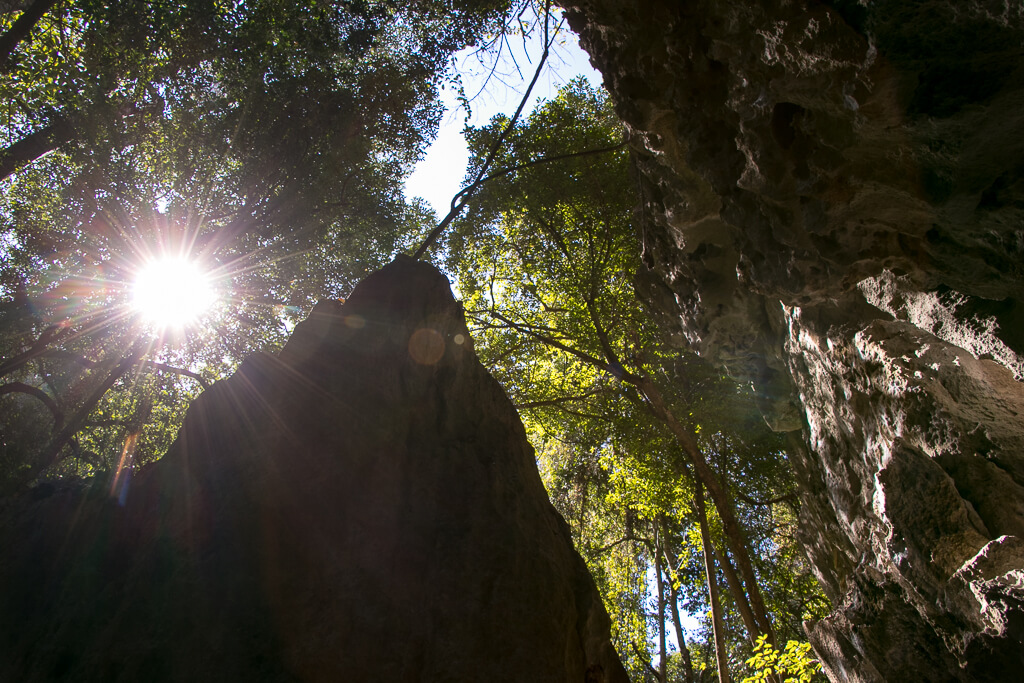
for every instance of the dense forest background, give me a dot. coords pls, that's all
(266, 144)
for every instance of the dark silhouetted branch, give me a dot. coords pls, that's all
(39, 348)
(773, 501)
(37, 393)
(35, 145)
(164, 367)
(77, 421)
(548, 160)
(69, 356)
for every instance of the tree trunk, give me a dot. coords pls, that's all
(716, 608)
(20, 29)
(688, 440)
(739, 594)
(662, 658)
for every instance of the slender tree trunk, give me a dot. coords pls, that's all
(716, 607)
(677, 623)
(704, 475)
(739, 594)
(460, 200)
(21, 27)
(35, 145)
(662, 654)
(583, 503)
(687, 439)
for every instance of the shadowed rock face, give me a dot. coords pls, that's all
(834, 209)
(362, 507)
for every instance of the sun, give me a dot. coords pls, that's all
(172, 292)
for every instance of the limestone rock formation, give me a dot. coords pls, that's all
(362, 507)
(834, 210)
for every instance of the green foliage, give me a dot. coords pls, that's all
(794, 664)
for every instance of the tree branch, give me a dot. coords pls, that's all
(53, 449)
(556, 237)
(37, 393)
(774, 501)
(558, 401)
(610, 546)
(164, 367)
(551, 159)
(585, 357)
(602, 338)
(38, 348)
(68, 355)
(640, 656)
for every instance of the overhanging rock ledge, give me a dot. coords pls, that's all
(833, 201)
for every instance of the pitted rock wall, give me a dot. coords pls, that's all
(833, 201)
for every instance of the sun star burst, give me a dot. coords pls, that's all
(172, 292)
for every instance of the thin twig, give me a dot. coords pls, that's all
(773, 501)
(560, 400)
(177, 371)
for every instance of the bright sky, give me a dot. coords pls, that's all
(439, 176)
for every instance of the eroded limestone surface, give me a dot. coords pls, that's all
(363, 507)
(833, 196)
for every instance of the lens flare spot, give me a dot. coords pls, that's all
(426, 346)
(172, 292)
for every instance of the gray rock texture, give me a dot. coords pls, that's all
(362, 507)
(833, 201)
